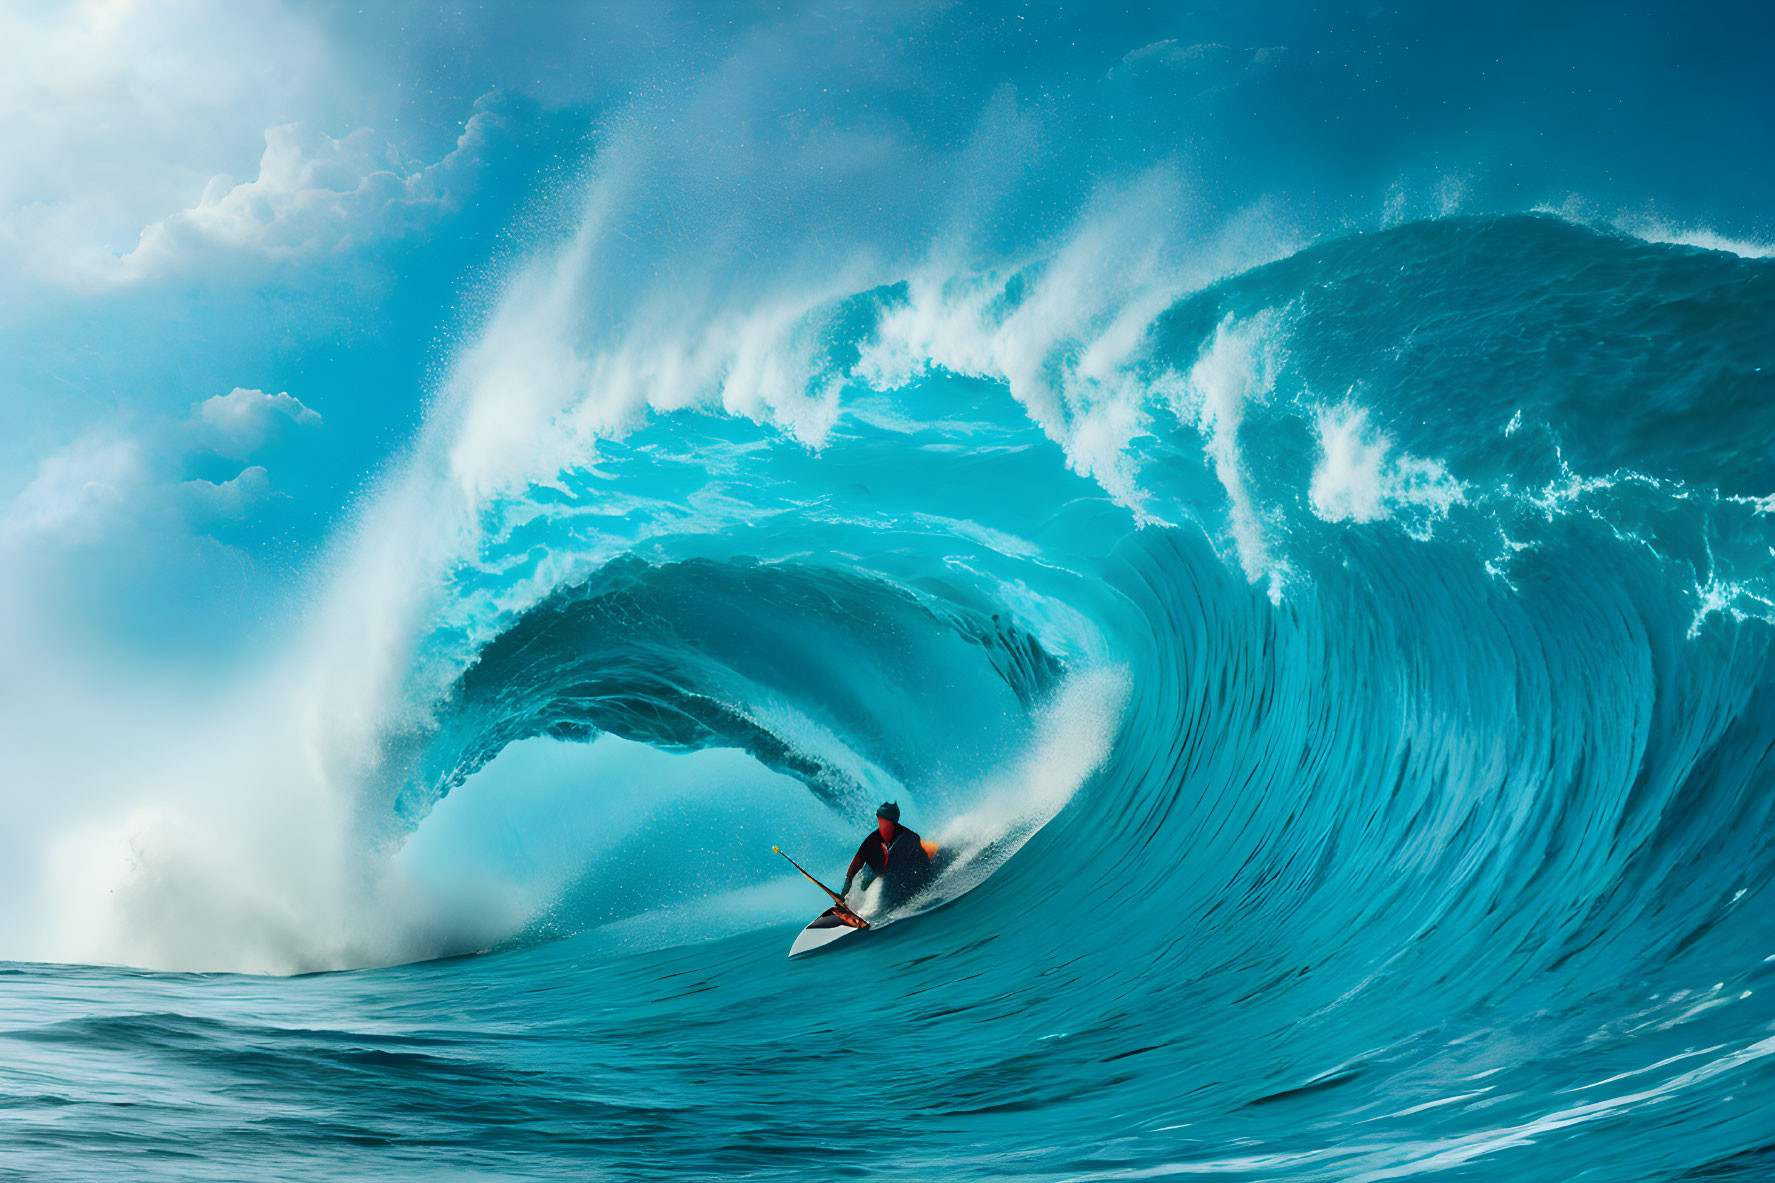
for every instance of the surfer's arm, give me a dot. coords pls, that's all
(851, 872)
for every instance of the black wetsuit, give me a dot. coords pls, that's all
(903, 863)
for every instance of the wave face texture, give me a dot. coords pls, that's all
(1340, 674)
(1401, 813)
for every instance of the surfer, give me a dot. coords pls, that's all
(896, 854)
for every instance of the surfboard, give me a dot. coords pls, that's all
(831, 925)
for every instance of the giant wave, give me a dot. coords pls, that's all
(1348, 675)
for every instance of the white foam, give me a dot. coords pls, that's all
(1360, 477)
(236, 851)
(1074, 733)
(1069, 345)
(1236, 367)
(1653, 229)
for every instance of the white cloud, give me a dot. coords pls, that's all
(313, 194)
(236, 423)
(106, 483)
(229, 499)
(77, 492)
(117, 111)
(118, 116)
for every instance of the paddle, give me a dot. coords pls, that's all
(836, 898)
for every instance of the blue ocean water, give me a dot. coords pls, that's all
(1334, 654)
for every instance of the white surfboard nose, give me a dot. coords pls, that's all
(825, 929)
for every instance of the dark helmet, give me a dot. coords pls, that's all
(889, 810)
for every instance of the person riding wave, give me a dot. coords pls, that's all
(897, 855)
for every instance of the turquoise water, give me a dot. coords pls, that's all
(1453, 858)
(1335, 656)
